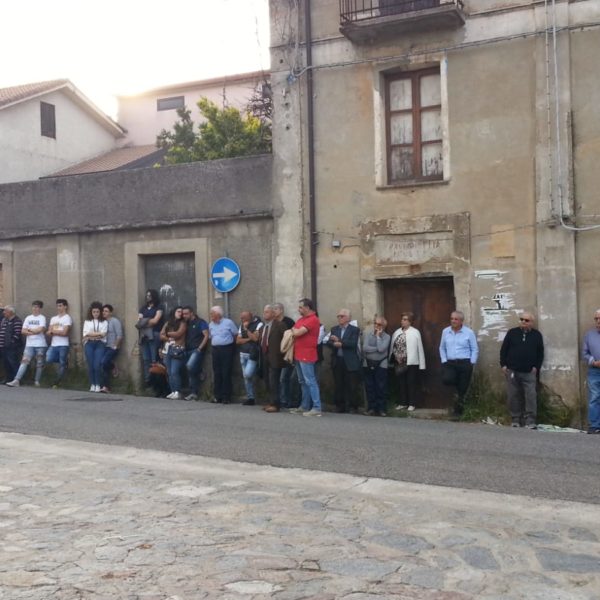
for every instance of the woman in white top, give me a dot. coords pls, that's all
(408, 357)
(94, 340)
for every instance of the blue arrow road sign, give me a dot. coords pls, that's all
(225, 274)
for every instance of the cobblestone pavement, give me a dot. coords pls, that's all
(89, 521)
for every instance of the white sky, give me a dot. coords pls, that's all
(125, 46)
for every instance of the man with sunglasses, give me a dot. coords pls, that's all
(591, 355)
(521, 358)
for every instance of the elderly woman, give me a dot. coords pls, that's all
(407, 354)
(376, 345)
(173, 334)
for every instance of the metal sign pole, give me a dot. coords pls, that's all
(226, 301)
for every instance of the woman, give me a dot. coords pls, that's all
(150, 320)
(94, 340)
(408, 356)
(173, 334)
(376, 344)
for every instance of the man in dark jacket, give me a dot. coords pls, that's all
(11, 343)
(272, 363)
(521, 358)
(345, 361)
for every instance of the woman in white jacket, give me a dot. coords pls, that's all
(408, 357)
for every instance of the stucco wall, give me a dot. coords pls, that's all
(143, 122)
(25, 154)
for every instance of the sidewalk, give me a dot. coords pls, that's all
(89, 521)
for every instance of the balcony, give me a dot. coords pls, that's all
(363, 21)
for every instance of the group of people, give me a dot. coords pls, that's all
(34, 340)
(275, 347)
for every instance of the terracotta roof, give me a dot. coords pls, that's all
(131, 157)
(17, 93)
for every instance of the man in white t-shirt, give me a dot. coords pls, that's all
(58, 330)
(34, 328)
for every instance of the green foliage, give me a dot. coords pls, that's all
(226, 133)
(551, 410)
(484, 400)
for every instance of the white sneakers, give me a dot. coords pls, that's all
(14, 383)
(94, 388)
(174, 396)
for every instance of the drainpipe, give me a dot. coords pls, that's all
(312, 224)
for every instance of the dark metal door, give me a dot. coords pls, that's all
(431, 300)
(174, 276)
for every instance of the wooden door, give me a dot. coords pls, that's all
(431, 300)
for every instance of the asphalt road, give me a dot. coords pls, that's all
(483, 457)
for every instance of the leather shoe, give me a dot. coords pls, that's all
(271, 409)
(249, 402)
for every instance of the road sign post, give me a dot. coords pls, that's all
(225, 276)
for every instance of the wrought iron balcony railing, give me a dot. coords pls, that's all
(352, 11)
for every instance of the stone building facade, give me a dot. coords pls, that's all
(449, 148)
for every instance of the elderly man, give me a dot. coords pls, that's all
(270, 337)
(285, 384)
(223, 333)
(11, 344)
(521, 358)
(591, 355)
(306, 337)
(458, 354)
(345, 362)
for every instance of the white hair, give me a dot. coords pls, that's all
(217, 309)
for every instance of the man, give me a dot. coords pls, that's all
(114, 338)
(458, 353)
(521, 358)
(196, 340)
(59, 330)
(34, 327)
(591, 355)
(11, 344)
(306, 338)
(345, 362)
(247, 343)
(270, 337)
(285, 383)
(223, 333)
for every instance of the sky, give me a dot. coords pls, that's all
(117, 47)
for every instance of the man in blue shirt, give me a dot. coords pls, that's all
(223, 332)
(591, 355)
(458, 353)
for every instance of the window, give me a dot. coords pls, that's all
(414, 126)
(48, 120)
(170, 103)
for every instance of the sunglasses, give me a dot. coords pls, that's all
(525, 320)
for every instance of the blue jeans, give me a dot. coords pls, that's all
(108, 364)
(149, 350)
(28, 354)
(311, 397)
(60, 355)
(248, 370)
(594, 398)
(193, 365)
(174, 366)
(94, 351)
